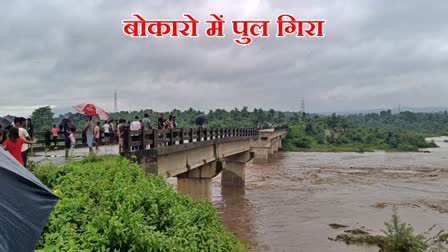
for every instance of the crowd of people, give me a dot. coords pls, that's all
(16, 137)
(112, 131)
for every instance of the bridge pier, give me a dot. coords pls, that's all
(269, 142)
(197, 183)
(234, 172)
(197, 188)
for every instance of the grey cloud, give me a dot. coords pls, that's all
(375, 54)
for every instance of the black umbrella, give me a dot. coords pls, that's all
(4, 122)
(201, 120)
(7, 120)
(25, 204)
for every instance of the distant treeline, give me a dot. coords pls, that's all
(384, 130)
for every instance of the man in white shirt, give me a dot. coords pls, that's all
(135, 125)
(20, 123)
(106, 128)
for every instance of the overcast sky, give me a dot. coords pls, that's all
(376, 54)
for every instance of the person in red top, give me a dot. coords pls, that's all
(14, 144)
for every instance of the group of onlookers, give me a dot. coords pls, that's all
(16, 137)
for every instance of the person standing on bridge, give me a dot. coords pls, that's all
(122, 127)
(146, 122)
(106, 128)
(14, 144)
(174, 122)
(160, 122)
(97, 133)
(72, 141)
(23, 133)
(89, 128)
(54, 133)
(65, 126)
(135, 125)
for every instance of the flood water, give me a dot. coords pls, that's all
(288, 203)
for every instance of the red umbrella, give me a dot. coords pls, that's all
(92, 109)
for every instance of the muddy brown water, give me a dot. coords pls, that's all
(288, 203)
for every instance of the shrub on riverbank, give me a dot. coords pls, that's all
(109, 204)
(398, 236)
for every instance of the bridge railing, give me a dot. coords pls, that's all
(155, 138)
(45, 140)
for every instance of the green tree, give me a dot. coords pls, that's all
(42, 118)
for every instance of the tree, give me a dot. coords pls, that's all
(42, 118)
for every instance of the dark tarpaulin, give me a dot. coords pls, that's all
(25, 205)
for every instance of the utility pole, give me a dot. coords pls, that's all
(115, 101)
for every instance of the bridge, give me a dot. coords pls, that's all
(195, 156)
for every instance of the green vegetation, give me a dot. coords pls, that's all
(430, 124)
(109, 204)
(337, 133)
(42, 118)
(397, 237)
(405, 131)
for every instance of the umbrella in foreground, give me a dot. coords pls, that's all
(6, 120)
(25, 204)
(92, 109)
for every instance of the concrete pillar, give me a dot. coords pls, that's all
(275, 145)
(271, 146)
(261, 154)
(234, 174)
(197, 183)
(280, 143)
(197, 188)
(234, 170)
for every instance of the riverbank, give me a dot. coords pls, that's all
(108, 202)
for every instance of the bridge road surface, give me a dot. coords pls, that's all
(58, 156)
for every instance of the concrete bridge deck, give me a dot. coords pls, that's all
(195, 156)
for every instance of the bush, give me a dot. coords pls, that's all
(109, 204)
(400, 236)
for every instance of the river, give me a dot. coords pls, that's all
(288, 202)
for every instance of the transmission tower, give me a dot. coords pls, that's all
(303, 105)
(399, 108)
(115, 101)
